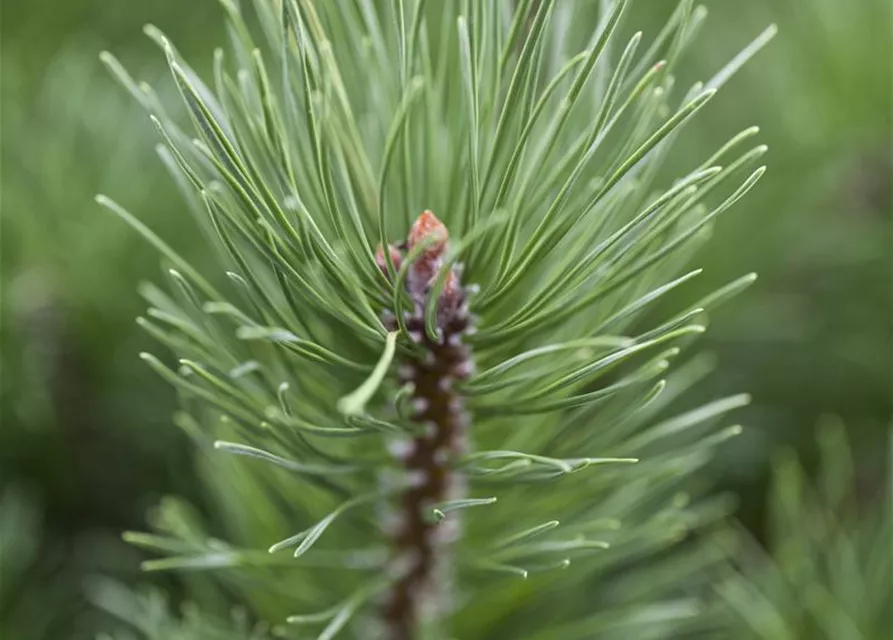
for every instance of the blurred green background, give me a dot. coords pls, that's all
(85, 441)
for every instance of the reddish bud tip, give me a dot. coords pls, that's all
(428, 226)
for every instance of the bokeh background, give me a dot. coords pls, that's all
(86, 444)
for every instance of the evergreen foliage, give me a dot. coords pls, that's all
(485, 375)
(31, 604)
(70, 467)
(815, 336)
(828, 573)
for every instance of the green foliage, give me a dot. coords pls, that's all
(814, 337)
(65, 137)
(828, 573)
(148, 615)
(329, 137)
(78, 422)
(36, 601)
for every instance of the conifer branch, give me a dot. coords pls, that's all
(348, 374)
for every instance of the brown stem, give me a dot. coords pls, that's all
(420, 590)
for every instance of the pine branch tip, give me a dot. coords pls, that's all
(303, 249)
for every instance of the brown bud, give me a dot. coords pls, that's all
(426, 229)
(428, 226)
(396, 258)
(452, 292)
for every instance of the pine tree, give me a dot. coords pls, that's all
(444, 228)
